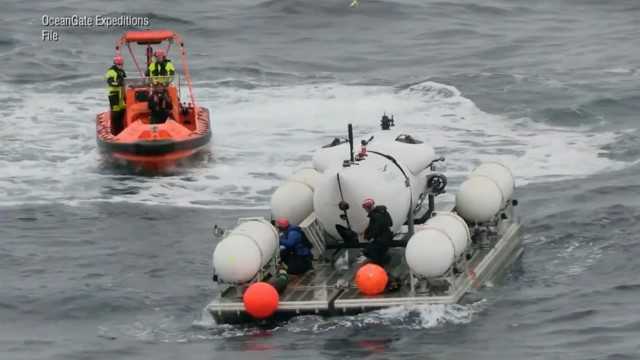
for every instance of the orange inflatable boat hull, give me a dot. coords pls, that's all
(154, 146)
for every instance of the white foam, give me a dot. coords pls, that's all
(261, 136)
(420, 316)
(618, 70)
(399, 317)
(578, 256)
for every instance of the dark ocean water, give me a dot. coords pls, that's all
(99, 264)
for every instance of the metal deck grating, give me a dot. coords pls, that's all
(318, 290)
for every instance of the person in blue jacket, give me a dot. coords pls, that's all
(295, 252)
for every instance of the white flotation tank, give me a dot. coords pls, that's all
(487, 190)
(499, 173)
(455, 227)
(307, 176)
(240, 255)
(294, 199)
(430, 252)
(478, 199)
(236, 259)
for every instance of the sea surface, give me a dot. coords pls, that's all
(100, 263)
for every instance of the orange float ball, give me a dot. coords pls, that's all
(260, 300)
(371, 279)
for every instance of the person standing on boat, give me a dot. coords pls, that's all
(295, 252)
(159, 104)
(161, 70)
(378, 232)
(115, 89)
(380, 235)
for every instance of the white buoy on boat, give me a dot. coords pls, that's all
(430, 252)
(236, 259)
(294, 199)
(239, 256)
(478, 199)
(455, 227)
(486, 191)
(499, 173)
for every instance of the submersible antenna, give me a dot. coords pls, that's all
(350, 128)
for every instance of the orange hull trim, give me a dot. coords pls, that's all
(155, 162)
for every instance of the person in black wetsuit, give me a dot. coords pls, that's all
(159, 104)
(381, 237)
(378, 232)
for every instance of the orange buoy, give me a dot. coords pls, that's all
(260, 300)
(371, 279)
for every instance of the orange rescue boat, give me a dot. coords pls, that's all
(159, 146)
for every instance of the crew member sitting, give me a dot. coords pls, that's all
(115, 89)
(295, 252)
(161, 69)
(378, 232)
(159, 104)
